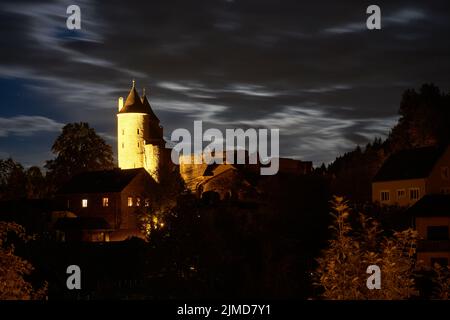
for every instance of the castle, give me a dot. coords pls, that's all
(103, 205)
(140, 142)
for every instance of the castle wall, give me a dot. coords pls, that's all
(132, 132)
(191, 172)
(152, 160)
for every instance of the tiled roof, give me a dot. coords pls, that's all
(432, 205)
(135, 104)
(148, 108)
(409, 164)
(114, 180)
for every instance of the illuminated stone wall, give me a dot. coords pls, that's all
(152, 161)
(133, 132)
(191, 173)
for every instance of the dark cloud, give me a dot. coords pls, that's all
(308, 68)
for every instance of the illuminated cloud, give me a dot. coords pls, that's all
(230, 64)
(27, 125)
(402, 16)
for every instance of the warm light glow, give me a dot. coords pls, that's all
(148, 228)
(155, 222)
(133, 151)
(120, 103)
(84, 203)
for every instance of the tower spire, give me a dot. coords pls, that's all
(134, 84)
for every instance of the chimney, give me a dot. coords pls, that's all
(120, 103)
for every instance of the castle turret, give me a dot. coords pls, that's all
(139, 135)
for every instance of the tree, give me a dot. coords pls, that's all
(160, 202)
(13, 269)
(78, 148)
(357, 244)
(424, 119)
(441, 281)
(36, 186)
(12, 180)
(340, 267)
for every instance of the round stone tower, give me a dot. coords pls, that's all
(139, 135)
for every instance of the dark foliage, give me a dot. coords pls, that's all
(424, 121)
(78, 149)
(16, 182)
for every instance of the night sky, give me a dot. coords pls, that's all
(310, 68)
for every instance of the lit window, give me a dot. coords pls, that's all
(385, 196)
(445, 173)
(414, 193)
(130, 201)
(147, 203)
(84, 203)
(138, 202)
(105, 202)
(401, 193)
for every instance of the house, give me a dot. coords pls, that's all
(232, 180)
(114, 195)
(228, 181)
(431, 215)
(407, 176)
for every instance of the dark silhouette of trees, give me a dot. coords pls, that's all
(229, 248)
(36, 183)
(78, 148)
(18, 183)
(424, 121)
(12, 180)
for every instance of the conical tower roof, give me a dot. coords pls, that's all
(134, 104)
(147, 107)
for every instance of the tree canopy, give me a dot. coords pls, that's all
(78, 148)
